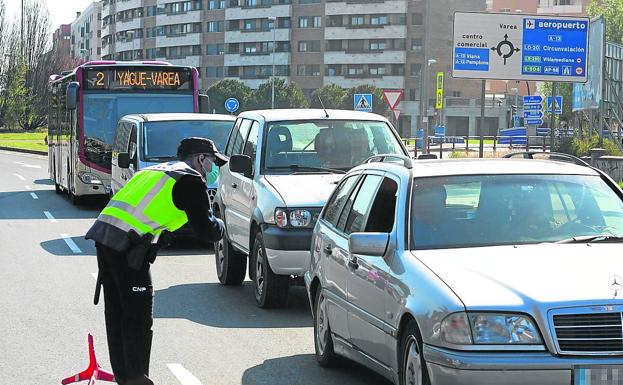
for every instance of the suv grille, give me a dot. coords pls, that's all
(591, 333)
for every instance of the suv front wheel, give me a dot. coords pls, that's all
(231, 265)
(270, 289)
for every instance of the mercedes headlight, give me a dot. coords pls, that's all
(490, 329)
(89, 178)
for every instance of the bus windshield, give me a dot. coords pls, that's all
(103, 110)
(162, 138)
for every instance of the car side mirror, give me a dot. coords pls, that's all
(373, 244)
(123, 160)
(72, 95)
(204, 104)
(241, 164)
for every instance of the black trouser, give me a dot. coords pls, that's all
(128, 300)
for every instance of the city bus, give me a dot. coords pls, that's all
(86, 104)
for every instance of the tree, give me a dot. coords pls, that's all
(286, 96)
(378, 102)
(332, 96)
(563, 89)
(228, 88)
(612, 11)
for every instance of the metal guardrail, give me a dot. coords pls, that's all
(465, 143)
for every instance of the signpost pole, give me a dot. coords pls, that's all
(602, 104)
(481, 149)
(552, 121)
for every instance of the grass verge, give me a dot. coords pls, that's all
(25, 144)
(38, 136)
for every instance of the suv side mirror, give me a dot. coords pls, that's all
(123, 160)
(204, 104)
(72, 95)
(373, 244)
(241, 164)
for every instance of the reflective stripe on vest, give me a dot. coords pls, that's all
(145, 204)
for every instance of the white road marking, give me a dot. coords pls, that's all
(70, 242)
(34, 196)
(27, 187)
(183, 375)
(49, 216)
(94, 276)
(28, 165)
(19, 176)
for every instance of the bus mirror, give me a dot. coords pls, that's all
(123, 160)
(204, 104)
(72, 95)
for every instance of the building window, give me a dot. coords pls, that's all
(309, 46)
(249, 25)
(398, 69)
(379, 20)
(309, 1)
(412, 94)
(303, 22)
(250, 48)
(416, 45)
(455, 94)
(377, 45)
(377, 70)
(334, 45)
(283, 22)
(355, 45)
(335, 21)
(356, 20)
(355, 70)
(416, 68)
(215, 26)
(308, 70)
(317, 21)
(216, 4)
(214, 72)
(214, 49)
(334, 70)
(417, 19)
(150, 53)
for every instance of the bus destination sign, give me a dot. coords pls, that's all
(138, 79)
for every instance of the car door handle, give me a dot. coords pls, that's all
(328, 250)
(234, 185)
(353, 262)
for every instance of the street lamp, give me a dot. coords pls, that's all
(424, 102)
(273, 19)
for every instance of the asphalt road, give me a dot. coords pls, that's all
(203, 333)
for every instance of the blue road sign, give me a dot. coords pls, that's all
(232, 105)
(363, 102)
(534, 121)
(516, 121)
(558, 104)
(533, 107)
(532, 99)
(532, 114)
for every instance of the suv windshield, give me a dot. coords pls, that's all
(159, 147)
(326, 144)
(485, 210)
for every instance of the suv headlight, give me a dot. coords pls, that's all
(89, 178)
(297, 218)
(490, 329)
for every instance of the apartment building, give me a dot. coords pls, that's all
(86, 34)
(564, 7)
(61, 40)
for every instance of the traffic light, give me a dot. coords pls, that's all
(513, 110)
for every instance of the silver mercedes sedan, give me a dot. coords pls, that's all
(479, 272)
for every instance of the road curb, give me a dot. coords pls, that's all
(22, 150)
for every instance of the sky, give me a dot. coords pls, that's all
(61, 11)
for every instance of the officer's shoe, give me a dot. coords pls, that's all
(142, 380)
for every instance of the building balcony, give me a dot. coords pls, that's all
(127, 45)
(107, 30)
(134, 23)
(234, 60)
(561, 9)
(385, 81)
(107, 49)
(281, 34)
(124, 5)
(355, 8)
(178, 40)
(376, 57)
(179, 18)
(386, 32)
(257, 13)
(192, 61)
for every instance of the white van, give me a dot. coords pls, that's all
(143, 140)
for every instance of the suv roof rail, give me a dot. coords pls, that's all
(382, 158)
(559, 156)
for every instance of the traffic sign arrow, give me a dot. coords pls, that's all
(533, 107)
(532, 114)
(535, 122)
(532, 99)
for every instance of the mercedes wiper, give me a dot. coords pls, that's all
(298, 168)
(592, 238)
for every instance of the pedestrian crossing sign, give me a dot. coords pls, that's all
(363, 102)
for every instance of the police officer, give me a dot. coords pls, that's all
(128, 232)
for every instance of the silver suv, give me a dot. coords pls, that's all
(471, 272)
(283, 166)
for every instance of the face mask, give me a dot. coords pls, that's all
(211, 175)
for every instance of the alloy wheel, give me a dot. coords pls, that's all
(412, 363)
(260, 271)
(322, 326)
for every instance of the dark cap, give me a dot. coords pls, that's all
(197, 145)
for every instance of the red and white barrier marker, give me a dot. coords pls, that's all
(93, 372)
